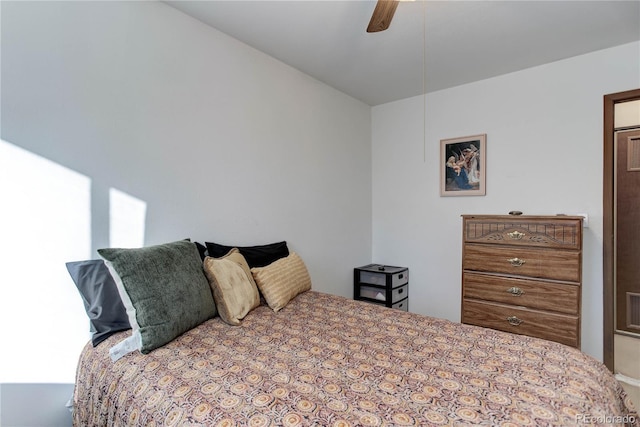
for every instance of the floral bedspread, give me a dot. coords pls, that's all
(325, 360)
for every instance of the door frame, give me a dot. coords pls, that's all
(608, 220)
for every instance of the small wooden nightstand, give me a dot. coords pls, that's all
(382, 284)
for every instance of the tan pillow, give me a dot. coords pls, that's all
(231, 282)
(282, 280)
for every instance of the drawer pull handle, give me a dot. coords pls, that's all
(401, 290)
(514, 321)
(516, 235)
(516, 262)
(516, 292)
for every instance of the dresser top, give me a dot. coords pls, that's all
(379, 268)
(524, 217)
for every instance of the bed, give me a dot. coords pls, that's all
(325, 360)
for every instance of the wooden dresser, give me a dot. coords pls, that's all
(523, 274)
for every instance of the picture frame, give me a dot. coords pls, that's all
(463, 166)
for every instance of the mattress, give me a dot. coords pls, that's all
(325, 360)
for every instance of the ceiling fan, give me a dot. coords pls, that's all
(382, 14)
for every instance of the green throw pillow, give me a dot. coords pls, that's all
(164, 291)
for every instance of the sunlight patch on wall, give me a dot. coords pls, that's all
(126, 220)
(45, 221)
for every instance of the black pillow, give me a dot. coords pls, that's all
(102, 302)
(256, 256)
(202, 250)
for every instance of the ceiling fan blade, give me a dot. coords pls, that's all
(382, 14)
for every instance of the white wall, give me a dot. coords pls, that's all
(17, 407)
(219, 141)
(544, 156)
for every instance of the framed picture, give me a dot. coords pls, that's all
(463, 166)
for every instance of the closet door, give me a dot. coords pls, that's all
(627, 231)
(621, 234)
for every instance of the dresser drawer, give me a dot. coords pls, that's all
(399, 293)
(536, 294)
(555, 327)
(529, 262)
(402, 305)
(372, 292)
(380, 279)
(550, 232)
(380, 294)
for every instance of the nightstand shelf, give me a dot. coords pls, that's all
(382, 284)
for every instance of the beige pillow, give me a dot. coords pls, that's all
(231, 282)
(282, 280)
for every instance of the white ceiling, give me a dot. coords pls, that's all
(465, 40)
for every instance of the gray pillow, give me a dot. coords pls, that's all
(164, 291)
(102, 302)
